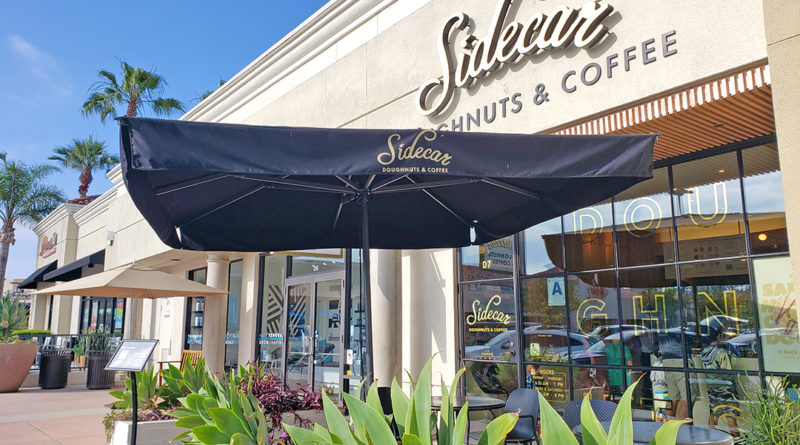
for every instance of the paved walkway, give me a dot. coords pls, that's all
(68, 416)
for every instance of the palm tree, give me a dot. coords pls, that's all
(139, 88)
(86, 156)
(25, 198)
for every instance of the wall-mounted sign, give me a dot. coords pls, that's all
(477, 57)
(48, 246)
(551, 383)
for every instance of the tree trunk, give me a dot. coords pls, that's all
(86, 179)
(6, 240)
(133, 107)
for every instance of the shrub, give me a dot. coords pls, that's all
(31, 332)
(773, 417)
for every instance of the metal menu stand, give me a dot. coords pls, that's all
(132, 356)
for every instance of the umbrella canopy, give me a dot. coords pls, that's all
(207, 186)
(132, 282)
(224, 187)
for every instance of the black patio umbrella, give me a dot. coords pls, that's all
(225, 187)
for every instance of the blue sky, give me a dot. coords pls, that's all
(50, 53)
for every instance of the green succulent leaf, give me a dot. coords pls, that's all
(302, 436)
(210, 435)
(337, 424)
(668, 433)
(621, 429)
(190, 422)
(592, 431)
(227, 422)
(497, 430)
(240, 439)
(554, 430)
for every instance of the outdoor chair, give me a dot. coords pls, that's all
(603, 409)
(525, 402)
(194, 357)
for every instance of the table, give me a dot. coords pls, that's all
(475, 404)
(643, 431)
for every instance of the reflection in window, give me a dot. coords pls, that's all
(651, 313)
(543, 247)
(544, 334)
(491, 379)
(489, 321)
(594, 321)
(195, 309)
(719, 300)
(270, 333)
(357, 334)
(589, 238)
(644, 221)
(491, 260)
(763, 194)
(708, 207)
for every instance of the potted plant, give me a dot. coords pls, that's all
(16, 357)
(79, 351)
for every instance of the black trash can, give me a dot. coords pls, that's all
(96, 376)
(54, 367)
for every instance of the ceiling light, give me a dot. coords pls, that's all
(762, 236)
(722, 170)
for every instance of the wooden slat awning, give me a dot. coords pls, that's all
(732, 108)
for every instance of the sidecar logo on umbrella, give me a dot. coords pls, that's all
(415, 150)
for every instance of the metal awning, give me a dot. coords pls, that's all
(37, 276)
(73, 270)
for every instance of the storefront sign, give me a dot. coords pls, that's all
(48, 246)
(439, 160)
(487, 313)
(479, 57)
(778, 313)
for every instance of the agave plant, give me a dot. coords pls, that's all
(412, 414)
(556, 432)
(13, 316)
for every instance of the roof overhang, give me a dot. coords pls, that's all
(37, 277)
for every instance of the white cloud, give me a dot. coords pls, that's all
(40, 63)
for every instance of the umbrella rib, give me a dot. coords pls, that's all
(389, 181)
(346, 182)
(423, 186)
(300, 185)
(223, 205)
(342, 202)
(438, 201)
(511, 188)
(189, 183)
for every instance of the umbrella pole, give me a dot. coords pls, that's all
(365, 287)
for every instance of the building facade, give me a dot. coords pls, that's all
(686, 278)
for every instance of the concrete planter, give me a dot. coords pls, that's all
(160, 432)
(15, 363)
(314, 415)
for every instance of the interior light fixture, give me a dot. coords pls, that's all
(722, 170)
(762, 236)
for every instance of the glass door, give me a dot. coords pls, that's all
(314, 330)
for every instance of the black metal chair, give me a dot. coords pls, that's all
(603, 409)
(525, 402)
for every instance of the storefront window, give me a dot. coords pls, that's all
(630, 309)
(357, 334)
(319, 260)
(708, 207)
(489, 321)
(486, 261)
(763, 194)
(102, 315)
(643, 220)
(543, 247)
(589, 238)
(270, 332)
(232, 325)
(195, 308)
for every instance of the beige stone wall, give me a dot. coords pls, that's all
(782, 27)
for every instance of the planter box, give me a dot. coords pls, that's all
(314, 415)
(147, 433)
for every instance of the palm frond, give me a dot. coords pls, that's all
(165, 106)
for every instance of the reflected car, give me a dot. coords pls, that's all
(553, 345)
(500, 345)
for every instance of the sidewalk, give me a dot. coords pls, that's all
(68, 416)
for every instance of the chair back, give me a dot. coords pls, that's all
(525, 402)
(603, 409)
(193, 357)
